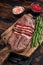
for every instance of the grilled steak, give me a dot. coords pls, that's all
(22, 34)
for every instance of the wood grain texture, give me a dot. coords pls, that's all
(3, 55)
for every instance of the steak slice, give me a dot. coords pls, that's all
(14, 40)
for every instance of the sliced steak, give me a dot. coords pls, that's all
(22, 34)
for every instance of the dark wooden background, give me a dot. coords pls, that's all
(7, 19)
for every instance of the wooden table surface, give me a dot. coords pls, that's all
(7, 19)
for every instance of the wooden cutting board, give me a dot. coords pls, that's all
(28, 52)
